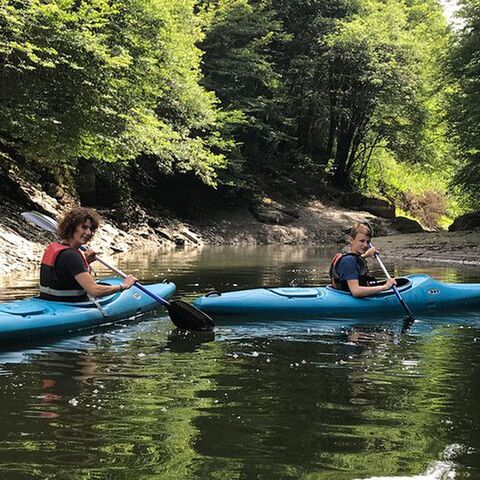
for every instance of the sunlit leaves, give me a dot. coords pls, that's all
(108, 81)
(464, 63)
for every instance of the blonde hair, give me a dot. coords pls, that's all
(361, 227)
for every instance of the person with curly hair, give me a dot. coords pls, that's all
(65, 273)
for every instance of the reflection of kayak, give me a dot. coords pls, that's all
(32, 317)
(422, 294)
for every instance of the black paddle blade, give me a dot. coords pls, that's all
(188, 317)
(407, 323)
(409, 312)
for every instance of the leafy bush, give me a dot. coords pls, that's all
(420, 191)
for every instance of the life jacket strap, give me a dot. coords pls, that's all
(335, 278)
(332, 272)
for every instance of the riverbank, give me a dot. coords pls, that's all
(439, 247)
(309, 222)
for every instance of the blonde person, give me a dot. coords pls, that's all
(349, 271)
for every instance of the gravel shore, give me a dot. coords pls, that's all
(439, 247)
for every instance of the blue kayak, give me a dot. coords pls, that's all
(33, 317)
(422, 293)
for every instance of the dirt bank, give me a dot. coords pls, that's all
(440, 247)
(307, 222)
(22, 244)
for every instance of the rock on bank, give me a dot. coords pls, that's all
(22, 244)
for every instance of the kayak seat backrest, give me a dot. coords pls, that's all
(300, 292)
(213, 293)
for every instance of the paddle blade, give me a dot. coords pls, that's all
(407, 310)
(189, 317)
(41, 220)
(407, 323)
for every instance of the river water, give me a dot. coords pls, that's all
(312, 401)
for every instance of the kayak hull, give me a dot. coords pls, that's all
(421, 293)
(34, 317)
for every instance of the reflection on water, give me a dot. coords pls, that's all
(438, 470)
(277, 400)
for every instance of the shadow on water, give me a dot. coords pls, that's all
(186, 341)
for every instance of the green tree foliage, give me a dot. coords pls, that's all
(358, 79)
(464, 68)
(327, 87)
(239, 66)
(107, 80)
(304, 63)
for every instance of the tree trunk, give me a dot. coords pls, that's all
(86, 182)
(344, 142)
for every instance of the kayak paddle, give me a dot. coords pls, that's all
(409, 313)
(182, 314)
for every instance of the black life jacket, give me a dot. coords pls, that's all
(50, 287)
(364, 279)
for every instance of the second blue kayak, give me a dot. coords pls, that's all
(33, 317)
(420, 292)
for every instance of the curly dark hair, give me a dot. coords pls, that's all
(75, 217)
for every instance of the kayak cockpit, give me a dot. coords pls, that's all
(403, 284)
(301, 292)
(36, 306)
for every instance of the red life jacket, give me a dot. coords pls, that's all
(364, 278)
(50, 287)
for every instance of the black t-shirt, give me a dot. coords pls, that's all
(68, 264)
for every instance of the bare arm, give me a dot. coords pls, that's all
(93, 288)
(360, 291)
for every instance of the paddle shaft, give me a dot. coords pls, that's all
(394, 287)
(124, 275)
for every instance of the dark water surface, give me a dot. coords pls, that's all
(291, 400)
